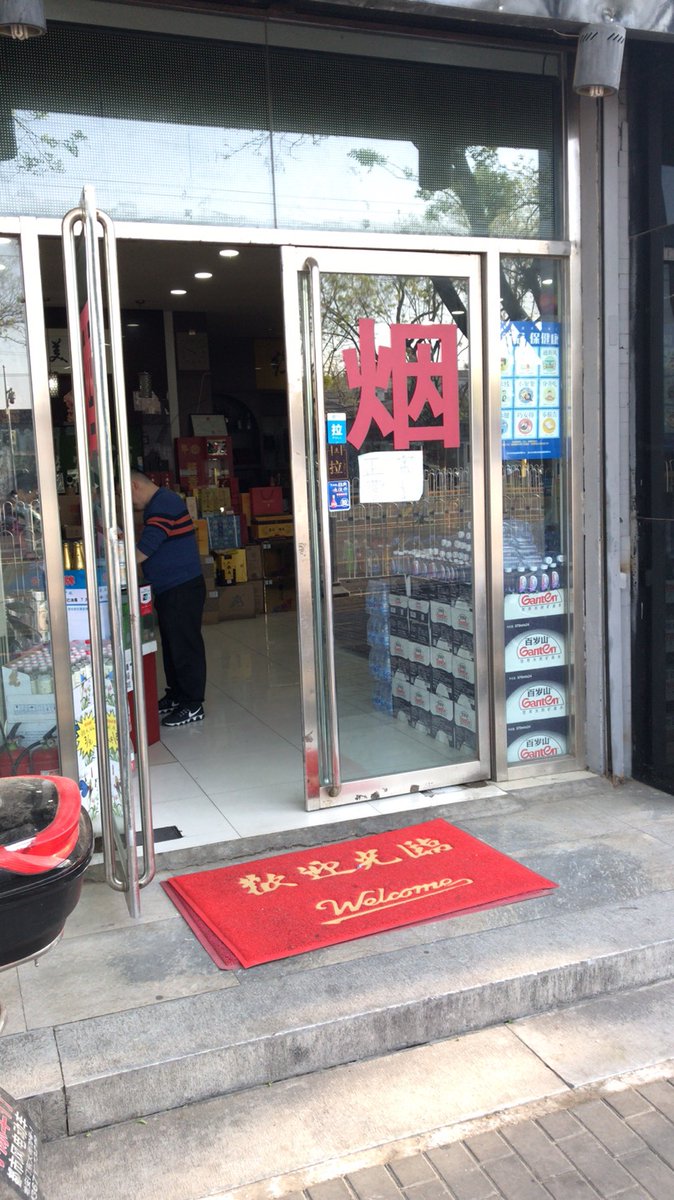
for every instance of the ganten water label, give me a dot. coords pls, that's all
(535, 649)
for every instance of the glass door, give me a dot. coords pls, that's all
(111, 655)
(384, 356)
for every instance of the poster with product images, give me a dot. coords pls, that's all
(530, 389)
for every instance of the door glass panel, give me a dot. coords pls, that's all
(28, 742)
(396, 366)
(537, 528)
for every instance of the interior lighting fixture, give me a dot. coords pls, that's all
(203, 274)
(53, 384)
(132, 324)
(22, 19)
(227, 253)
(599, 60)
(547, 282)
(178, 292)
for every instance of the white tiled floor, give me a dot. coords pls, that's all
(240, 772)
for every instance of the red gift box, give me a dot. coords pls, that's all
(266, 501)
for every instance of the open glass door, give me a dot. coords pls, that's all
(384, 356)
(114, 646)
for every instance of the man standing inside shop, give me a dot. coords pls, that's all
(167, 549)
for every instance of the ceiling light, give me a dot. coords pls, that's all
(178, 292)
(53, 384)
(22, 19)
(132, 324)
(547, 282)
(229, 254)
(203, 275)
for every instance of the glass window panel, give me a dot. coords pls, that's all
(28, 739)
(396, 362)
(536, 526)
(212, 133)
(373, 144)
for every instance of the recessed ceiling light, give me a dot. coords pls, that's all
(178, 292)
(132, 324)
(229, 253)
(547, 281)
(203, 275)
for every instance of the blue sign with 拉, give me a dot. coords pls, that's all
(531, 389)
(339, 495)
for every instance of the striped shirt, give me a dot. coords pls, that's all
(169, 541)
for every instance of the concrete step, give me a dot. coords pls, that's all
(288, 1020)
(272, 1140)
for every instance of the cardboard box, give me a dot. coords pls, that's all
(211, 614)
(266, 501)
(272, 527)
(70, 511)
(280, 599)
(258, 590)
(201, 529)
(254, 568)
(231, 566)
(236, 602)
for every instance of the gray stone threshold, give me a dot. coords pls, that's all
(123, 1066)
(272, 1141)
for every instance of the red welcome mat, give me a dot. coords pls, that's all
(276, 907)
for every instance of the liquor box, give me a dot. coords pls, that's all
(266, 501)
(271, 527)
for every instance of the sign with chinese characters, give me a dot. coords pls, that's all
(402, 386)
(19, 1146)
(530, 389)
(336, 429)
(339, 495)
(290, 903)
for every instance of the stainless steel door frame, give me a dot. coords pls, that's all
(301, 268)
(93, 419)
(46, 469)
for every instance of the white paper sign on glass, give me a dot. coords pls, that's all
(391, 476)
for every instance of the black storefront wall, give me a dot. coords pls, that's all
(651, 101)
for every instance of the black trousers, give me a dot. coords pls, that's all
(179, 611)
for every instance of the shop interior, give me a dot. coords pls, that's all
(205, 323)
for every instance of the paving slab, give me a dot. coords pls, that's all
(114, 970)
(596, 1040)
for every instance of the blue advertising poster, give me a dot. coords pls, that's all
(339, 495)
(531, 389)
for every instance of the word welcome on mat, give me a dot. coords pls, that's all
(276, 907)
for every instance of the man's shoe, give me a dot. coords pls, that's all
(167, 705)
(184, 715)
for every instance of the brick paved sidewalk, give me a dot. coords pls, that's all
(619, 1145)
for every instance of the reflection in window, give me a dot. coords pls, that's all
(28, 743)
(199, 132)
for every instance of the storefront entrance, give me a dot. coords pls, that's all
(357, 650)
